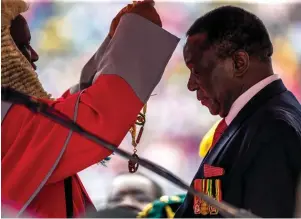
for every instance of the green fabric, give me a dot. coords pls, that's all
(165, 207)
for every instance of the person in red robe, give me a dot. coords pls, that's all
(38, 155)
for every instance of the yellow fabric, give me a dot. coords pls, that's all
(164, 207)
(169, 212)
(207, 140)
(164, 199)
(146, 210)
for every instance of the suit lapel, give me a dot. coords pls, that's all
(270, 91)
(275, 88)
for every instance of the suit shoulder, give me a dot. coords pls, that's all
(283, 113)
(276, 122)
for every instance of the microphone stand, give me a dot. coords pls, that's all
(15, 97)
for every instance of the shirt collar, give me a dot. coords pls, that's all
(243, 99)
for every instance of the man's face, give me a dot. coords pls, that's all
(21, 35)
(211, 78)
(131, 191)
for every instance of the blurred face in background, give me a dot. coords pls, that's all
(20, 33)
(131, 191)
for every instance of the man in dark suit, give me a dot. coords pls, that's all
(255, 160)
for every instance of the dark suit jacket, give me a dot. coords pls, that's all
(261, 154)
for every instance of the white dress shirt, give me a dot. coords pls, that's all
(243, 99)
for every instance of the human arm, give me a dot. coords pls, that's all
(269, 186)
(136, 64)
(144, 9)
(108, 108)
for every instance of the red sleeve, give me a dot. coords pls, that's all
(31, 143)
(108, 117)
(130, 70)
(65, 95)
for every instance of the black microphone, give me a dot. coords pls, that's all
(15, 97)
(10, 95)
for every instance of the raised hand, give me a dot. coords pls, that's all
(143, 8)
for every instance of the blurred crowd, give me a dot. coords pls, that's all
(66, 34)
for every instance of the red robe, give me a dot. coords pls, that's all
(31, 143)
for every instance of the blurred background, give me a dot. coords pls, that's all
(66, 34)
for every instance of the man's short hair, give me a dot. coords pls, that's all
(230, 29)
(158, 191)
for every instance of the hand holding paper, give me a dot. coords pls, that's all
(142, 8)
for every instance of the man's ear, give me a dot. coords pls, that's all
(240, 63)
